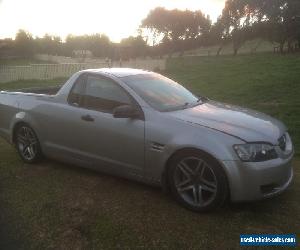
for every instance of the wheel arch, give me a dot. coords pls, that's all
(22, 118)
(38, 154)
(164, 178)
(15, 127)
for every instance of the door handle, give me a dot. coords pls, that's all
(87, 118)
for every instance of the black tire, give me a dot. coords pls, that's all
(27, 144)
(206, 180)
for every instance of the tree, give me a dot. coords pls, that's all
(219, 34)
(236, 18)
(51, 45)
(24, 44)
(281, 16)
(98, 44)
(176, 27)
(275, 20)
(137, 46)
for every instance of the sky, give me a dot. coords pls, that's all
(116, 18)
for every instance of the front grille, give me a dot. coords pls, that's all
(282, 142)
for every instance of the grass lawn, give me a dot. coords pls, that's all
(257, 45)
(21, 62)
(57, 206)
(31, 84)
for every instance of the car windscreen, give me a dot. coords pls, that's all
(159, 92)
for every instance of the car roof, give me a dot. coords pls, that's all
(119, 72)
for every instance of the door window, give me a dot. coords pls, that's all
(103, 94)
(77, 92)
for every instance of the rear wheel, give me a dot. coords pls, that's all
(27, 144)
(197, 181)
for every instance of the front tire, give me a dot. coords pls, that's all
(27, 144)
(197, 181)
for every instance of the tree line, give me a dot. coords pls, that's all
(273, 20)
(277, 21)
(25, 45)
(168, 31)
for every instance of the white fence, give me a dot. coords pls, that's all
(43, 71)
(64, 59)
(51, 71)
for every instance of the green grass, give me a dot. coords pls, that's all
(31, 84)
(248, 47)
(21, 62)
(57, 206)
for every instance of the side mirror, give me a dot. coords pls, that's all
(126, 111)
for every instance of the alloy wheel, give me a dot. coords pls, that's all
(27, 143)
(195, 181)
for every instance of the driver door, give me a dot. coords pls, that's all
(112, 144)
